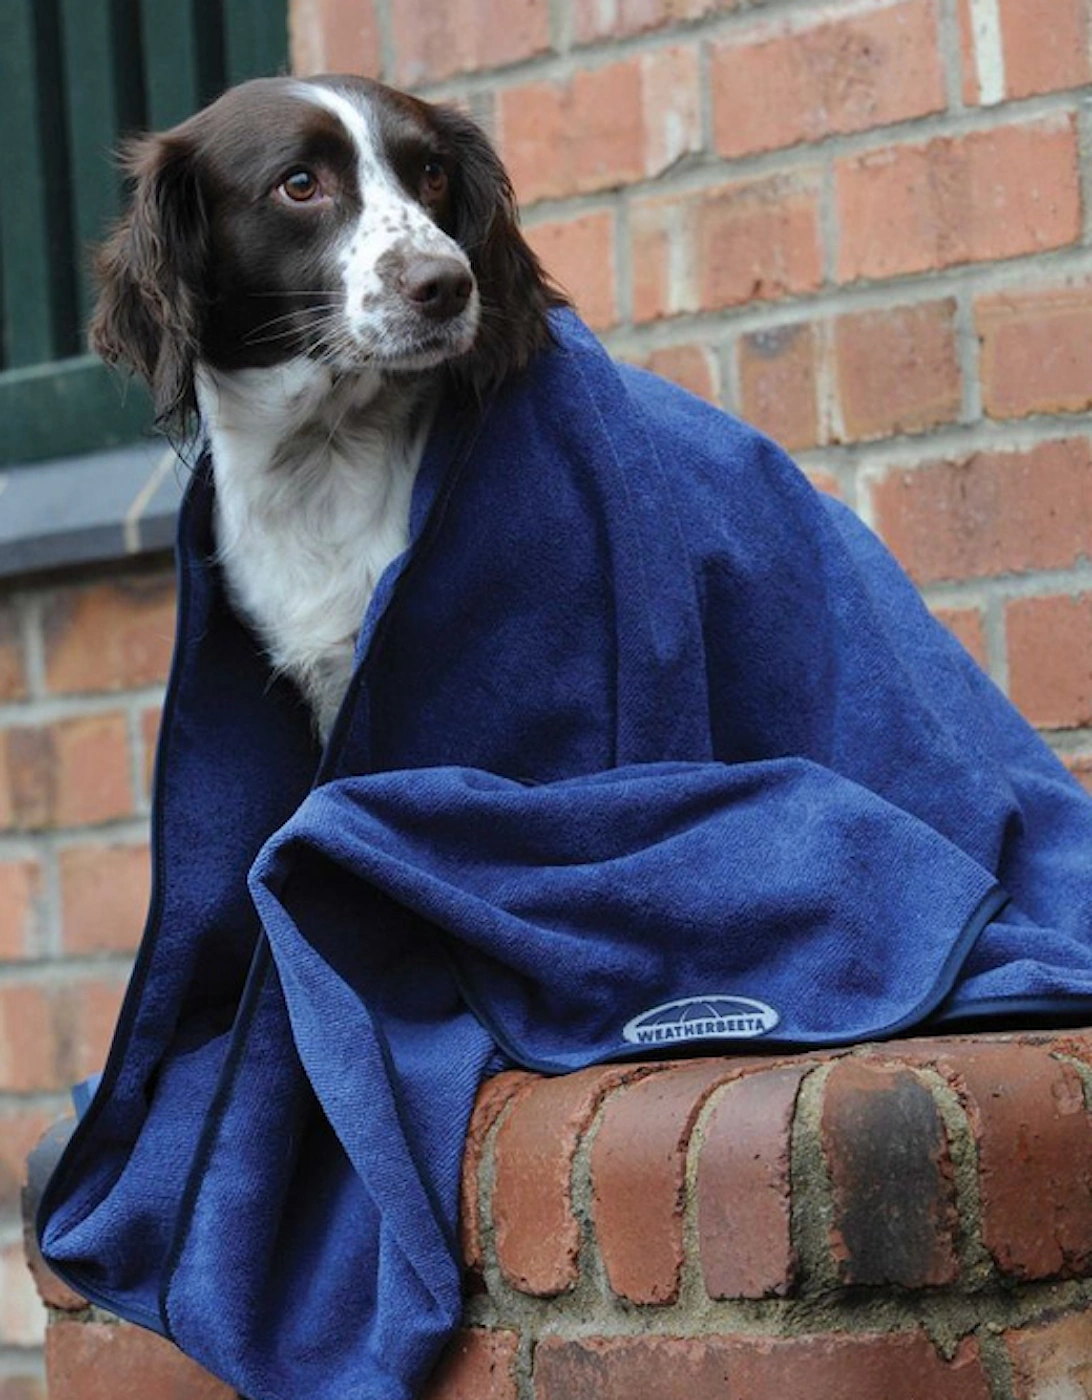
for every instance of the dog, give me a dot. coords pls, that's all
(306, 265)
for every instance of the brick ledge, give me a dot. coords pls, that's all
(895, 1221)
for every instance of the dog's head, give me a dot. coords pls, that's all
(332, 218)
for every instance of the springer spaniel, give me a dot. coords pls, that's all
(303, 265)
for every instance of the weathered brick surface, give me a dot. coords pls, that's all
(20, 898)
(477, 1365)
(492, 1100)
(758, 240)
(579, 254)
(433, 41)
(329, 36)
(537, 1234)
(990, 194)
(1036, 351)
(13, 675)
(778, 378)
(1034, 1139)
(1051, 683)
(109, 636)
(833, 73)
(104, 897)
(992, 513)
(615, 19)
(605, 127)
(743, 1187)
(1053, 1360)
(1034, 57)
(51, 1036)
(115, 1361)
(897, 1367)
(74, 772)
(894, 1212)
(897, 369)
(638, 1167)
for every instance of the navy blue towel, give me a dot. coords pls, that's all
(649, 748)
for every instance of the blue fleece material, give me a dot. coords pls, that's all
(649, 748)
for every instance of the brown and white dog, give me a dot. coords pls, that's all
(303, 264)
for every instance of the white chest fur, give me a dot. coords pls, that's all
(313, 485)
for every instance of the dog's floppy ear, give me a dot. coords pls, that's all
(150, 273)
(515, 291)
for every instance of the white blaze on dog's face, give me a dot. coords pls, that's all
(331, 215)
(410, 295)
(331, 221)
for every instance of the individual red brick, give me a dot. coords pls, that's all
(20, 889)
(990, 194)
(109, 636)
(476, 1365)
(579, 254)
(536, 1231)
(71, 773)
(1034, 57)
(968, 627)
(328, 36)
(13, 675)
(638, 1172)
(994, 512)
(694, 367)
(493, 1097)
(567, 138)
(786, 83)
(1053, 1360)
(433, 41)
(52, 1037)
(104, 897)
(897, 369)
(1036, 351)
(862, 1366)
(614, 19)
(894, 1210)
(758, 242)
(1050, 659)
(117, 1361)
(601, 128)
(778, 376)
(753, 241)
(1034, 1140)
(743, 1187)
(27, 1050)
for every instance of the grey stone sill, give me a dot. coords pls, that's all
(98, 507)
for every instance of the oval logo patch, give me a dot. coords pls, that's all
(701, 1018)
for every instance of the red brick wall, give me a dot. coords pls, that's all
(859, 224)
(82, 662)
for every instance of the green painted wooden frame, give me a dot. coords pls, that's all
(76, 76)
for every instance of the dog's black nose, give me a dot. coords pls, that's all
(438, 287)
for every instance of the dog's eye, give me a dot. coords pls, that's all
(300, 186)
(433, 179)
